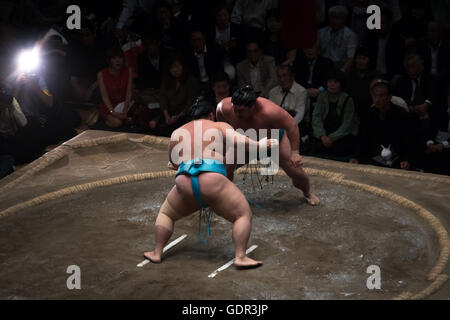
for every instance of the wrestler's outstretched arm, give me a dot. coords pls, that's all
(234, 138)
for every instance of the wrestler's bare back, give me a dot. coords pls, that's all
(218, 129)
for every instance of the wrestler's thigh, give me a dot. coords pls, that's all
(181, 199)
(227, 201)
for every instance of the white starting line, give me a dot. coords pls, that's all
(170, 245)
(229, 263)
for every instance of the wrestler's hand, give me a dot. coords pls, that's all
(171, 166)
(296, 160)
(272, 143)
(269, 143)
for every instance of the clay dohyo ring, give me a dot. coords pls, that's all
(435, 274)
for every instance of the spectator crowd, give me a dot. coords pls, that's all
(379, 97)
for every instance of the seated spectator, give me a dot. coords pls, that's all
(87, 58)
(151, 62)
(174, 36)
(358, 17)
(271, 43)
(336, 41)
(387, 138)
(442, 14)
(334, 122)
(204, 59)
(435, 51)
(412, 27)
(116, 84)
(257, 70)
(289, 95)
(386, 48)
(201, 12)
(181, 16)
(179, 90)
(220, 88)
(225, 36)
(419, 92)
(140, 9)
(249, 16)
(437, 153)
(311, 71)
(358, 81)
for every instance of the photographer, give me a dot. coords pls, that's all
(17, 143)
(49, 120)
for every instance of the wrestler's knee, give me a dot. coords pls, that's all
(164, 221)
(168, 211)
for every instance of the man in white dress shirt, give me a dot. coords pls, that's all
(288, 94)
(336, 41)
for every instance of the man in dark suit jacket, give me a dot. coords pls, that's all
(437, 153)
(386, 48)
(311, 71)
(387, 125)
(419, 92)
(204, 59)
(151, 62)
(435, 51)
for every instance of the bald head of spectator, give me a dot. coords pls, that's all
(337, 17)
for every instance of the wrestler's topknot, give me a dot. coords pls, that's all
(245, 96)
(201, 108)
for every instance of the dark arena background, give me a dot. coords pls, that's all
(91, 92)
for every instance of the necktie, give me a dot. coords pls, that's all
(284, 97)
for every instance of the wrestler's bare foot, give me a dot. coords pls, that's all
(246, 262)
(312, 199)
(153, 257)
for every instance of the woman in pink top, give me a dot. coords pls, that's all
(116, 84)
